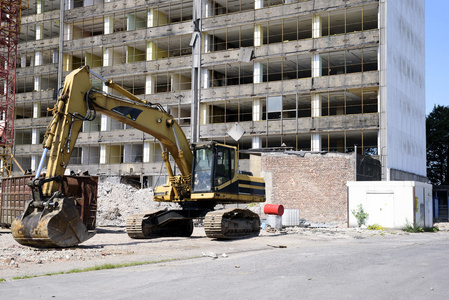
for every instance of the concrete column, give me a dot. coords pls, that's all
(316, 105)
(39, 6)
(316, 112)
(317, 27)
(315, 142)
(127, 153)
(256, 142)
(108, 25)
(34, 136)
(103, 153)
(257, 110)
(154, 52)
(156, 18)
(205, 78)
(130, 22)
(258, 72)
(68, 32)
(83, 156)
(258, 4)
(317, 64)
(54, 57)
(39, 31)
(36, 110)
(206, 43)
(23, 61)
(150, 18)
(38, 58)
(34, 162)
(67, 62)
(147, 151)
(105, 120)
(151, 49)
(150, 84)
(37, 83)
(204, 114)
(105, 123)
(258, 35)
(107, 57)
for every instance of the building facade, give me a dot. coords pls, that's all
(314, 75)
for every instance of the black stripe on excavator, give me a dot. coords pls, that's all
(129, 112)
(254, 183)
(249, 191)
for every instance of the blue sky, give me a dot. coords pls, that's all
(437, 53)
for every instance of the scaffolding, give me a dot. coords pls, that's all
(10, 14)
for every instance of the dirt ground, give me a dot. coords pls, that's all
(112, 245)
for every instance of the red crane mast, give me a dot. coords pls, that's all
(10, 14)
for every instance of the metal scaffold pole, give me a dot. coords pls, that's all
(195, 43)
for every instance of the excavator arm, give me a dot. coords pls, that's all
(50, 219)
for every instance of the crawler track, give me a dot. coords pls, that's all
(153, 224)
(134, 226)
(231, 224)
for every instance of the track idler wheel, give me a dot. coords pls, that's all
(50, 224)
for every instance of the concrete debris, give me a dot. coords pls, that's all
(117, 201)
(224, 255)
(210, 254)
(321, 225)
(15, 256)
(277, 246)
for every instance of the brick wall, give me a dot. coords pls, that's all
(315, 184)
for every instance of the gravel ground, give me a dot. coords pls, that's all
(112, 245)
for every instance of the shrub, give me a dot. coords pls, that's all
(360, 215)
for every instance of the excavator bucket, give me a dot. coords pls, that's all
(54, 223)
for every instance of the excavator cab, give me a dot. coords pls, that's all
(214, 167)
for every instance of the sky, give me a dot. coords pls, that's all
(437, 52)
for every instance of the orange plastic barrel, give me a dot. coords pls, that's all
(273, 209)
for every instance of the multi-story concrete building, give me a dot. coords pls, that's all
(314, 75)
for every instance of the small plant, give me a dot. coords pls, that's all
(413, 228)
(375, 227)
(360, 215)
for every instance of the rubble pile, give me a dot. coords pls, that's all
(116, 201)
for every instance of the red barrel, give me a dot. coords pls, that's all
(273, 209)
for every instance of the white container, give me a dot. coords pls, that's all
(291, 217)
(274, 221)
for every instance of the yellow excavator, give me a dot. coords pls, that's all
(209, 174)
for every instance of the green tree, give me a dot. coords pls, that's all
(437, 129)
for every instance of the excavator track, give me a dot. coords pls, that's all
(232, 224)
(134, 225)
(146, 225)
